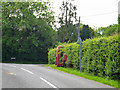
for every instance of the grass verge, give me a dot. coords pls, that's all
(113, 83)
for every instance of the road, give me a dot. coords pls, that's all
(39, 76)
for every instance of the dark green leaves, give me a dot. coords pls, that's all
(27, 30)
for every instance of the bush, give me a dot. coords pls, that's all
(52, 56)
(100, 56)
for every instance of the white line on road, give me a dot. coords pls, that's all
(42, 79)
(48, 82)
(27, 71)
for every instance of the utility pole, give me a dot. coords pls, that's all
(79, 41)
(79, 28)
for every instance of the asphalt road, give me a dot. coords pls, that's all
(39, 76)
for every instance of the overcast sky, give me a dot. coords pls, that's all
(95, 13)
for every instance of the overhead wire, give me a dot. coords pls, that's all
(96, 15)
(100, 14)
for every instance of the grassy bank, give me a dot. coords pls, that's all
(113, 83)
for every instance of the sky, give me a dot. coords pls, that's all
(95, 13)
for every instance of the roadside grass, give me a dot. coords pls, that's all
(113, 83)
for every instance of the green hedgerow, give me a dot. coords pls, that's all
(100, 56)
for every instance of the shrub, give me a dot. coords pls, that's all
(100, 56)
(52, 56)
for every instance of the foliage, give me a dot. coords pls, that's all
(67, 34)
(100, 56)
(27, 31)
(87, 32)
(118, 23)
(52, 56)
(68, 13)
(108, 31)
(67, 31)
(118, 18)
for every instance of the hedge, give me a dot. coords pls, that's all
(52, 56)
(100, 56)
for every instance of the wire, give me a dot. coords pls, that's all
(94, 24)
(101, 14)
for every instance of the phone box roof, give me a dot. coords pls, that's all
(58, 47)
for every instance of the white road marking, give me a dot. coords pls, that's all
(27, 71)
(48, 82)
(33, 73)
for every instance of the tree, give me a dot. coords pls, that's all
(27, 30)
(87, 32)
(69, 35)
(67, 31)
(118, 18)
(108, 31)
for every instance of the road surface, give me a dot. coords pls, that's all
(39, 76)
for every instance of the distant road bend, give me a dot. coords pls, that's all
(38, 76)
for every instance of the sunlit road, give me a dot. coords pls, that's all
(39, 76)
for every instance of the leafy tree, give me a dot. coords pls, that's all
(69, 35)
(118, 18)
(108, 31)
(27, 30)
(87, 32)
(67, 31)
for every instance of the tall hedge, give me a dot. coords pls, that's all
(100, 56)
